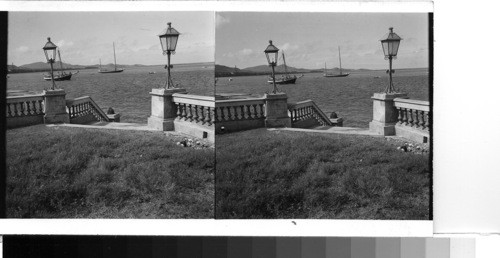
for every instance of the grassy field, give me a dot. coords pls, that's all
(59, 172)
(279, 174)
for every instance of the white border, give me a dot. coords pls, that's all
(190, 227)
(349, 228)
(248, 6)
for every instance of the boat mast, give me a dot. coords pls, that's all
(60, 60)
(340, 61)
(100, 68)
(114, 54)
(284, 63)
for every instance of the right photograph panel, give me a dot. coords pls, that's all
(323, 115)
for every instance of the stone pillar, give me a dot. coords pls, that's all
(163, 110)
(385, 115)
(277, 110)
(55, 107)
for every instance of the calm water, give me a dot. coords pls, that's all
(126, 92)
(350, 97)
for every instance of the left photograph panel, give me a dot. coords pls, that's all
(110, 115)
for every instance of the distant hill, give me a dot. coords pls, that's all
(225, 71)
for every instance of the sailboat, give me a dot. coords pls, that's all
(286, 78)
(110, 71)
(336, 75)
(61, 76)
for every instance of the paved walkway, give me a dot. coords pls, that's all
(107, 125)
(331, 129)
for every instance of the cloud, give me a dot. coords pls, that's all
(221, 20)
(22, 49)
(246, 52)
(288, 46)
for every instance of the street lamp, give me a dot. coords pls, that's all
(390, 45)
(168, 40)
(272, 60)
(50, 55)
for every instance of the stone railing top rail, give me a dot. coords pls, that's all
(239, 102)
(16, 99)
(310, 103)
(301, 104)
(412, 104)
(85, 99)
(78, 100)
(199, 100)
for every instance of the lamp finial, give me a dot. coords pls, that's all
(169, 24)
(390, 28)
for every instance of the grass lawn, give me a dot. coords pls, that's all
(60, 172)
(283, 174)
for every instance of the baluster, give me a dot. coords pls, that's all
(216, 115)
(42, 106)
(410, 117)
(247, 112)
(195, 113)
(400, 115)
(9, 111)
(28, 108)
(242, 112)
(184, 111)
(15, 110)
(421, 123)
(231, 113)
(405, 118)
(261, 111)
(189, 113)
(33, 104)
(417, 122)
(427, 120)
(254, 111)
(206, 116)
(202, 114)
(178, 110)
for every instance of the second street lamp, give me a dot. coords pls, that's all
(168, 40)
(272, 58)
(390, 45)
(50, 55)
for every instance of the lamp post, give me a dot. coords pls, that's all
(168, 40)
(272, 60)
(390, 45)
(50, 55)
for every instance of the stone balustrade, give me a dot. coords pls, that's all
(239, 114)
(307, 114)
(84, 110)
(195, 108)
(413, 119)
(24, 110)
(194, 115)
(20, 106)
(413, 113)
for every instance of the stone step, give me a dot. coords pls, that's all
(332, 129)
(110, 125)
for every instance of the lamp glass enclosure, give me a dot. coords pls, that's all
(168, 39)
(271, 53)
(50, 51)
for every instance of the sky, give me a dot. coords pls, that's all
(85, 37)
(311, 39)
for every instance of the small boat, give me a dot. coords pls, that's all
(336, 75)
(230, 79)
(152, 72)
(62, 75)
(285, 78)
(110, 71)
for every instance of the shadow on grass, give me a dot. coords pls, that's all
(278, 174)
(73, 173)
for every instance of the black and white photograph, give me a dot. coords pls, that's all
(108, 115)
(323, 115)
